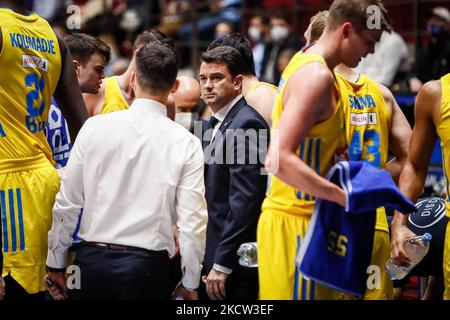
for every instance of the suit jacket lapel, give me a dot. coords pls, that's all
(218, 138)
(231, 114)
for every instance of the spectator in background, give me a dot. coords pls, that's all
(433, 61)
(223, 29)
(218, 11)
(281, 38)
(259, 35)
(383, 64)
(284, 58)
(173, 16)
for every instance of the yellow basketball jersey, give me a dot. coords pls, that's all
(261, 83)
(320, 149)
(114, 99)
(30, 63)
(367, 126)
(443, 131)
(367, 118)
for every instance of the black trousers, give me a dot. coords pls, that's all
(121, 275)
(15, 292)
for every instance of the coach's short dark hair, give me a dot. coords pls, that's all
(154, 35)
(82, 46)
(241, 44)
(227, 55)
(156, 68)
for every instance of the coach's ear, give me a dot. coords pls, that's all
(133, 80)
(175, 86)
(76, 66)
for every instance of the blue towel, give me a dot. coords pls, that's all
(338, 244)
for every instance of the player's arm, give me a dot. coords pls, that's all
(412, 177)
(68, 94)
(262, 99)
(307, 100)
(94, 102)
(399, 134)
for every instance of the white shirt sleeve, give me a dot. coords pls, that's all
(192, 216)
(68, 204)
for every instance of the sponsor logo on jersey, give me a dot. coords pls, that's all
(34, 62)
(363, 119)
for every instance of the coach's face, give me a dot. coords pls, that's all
(218, 87)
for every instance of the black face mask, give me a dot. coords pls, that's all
(435, 30)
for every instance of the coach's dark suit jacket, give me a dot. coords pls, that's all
(234, 193)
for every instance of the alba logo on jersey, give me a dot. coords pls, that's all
(34, 62)
(363, 119)
(429, 212)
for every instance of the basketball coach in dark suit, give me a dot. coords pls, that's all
(235, 142)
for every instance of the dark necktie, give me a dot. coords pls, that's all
(212, 122)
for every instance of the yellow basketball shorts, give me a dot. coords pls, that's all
(446, 263)
(279, 236)
(26, 201)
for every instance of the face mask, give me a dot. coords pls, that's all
(278, 33)
(218, 36)
(186, 119)
(434, 29)
(254, 33)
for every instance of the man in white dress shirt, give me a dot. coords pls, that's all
(134, 172)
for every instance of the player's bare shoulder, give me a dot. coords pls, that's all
(428, 100)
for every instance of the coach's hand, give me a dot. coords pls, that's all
(400, 234)
(56, 284)
(215, 284)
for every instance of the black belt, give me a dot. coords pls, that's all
(112, 246)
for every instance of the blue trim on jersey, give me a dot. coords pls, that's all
(21, 228)
(313, 290)
(13, 221)
(318, 156)
(304, 289)
(5, 226)
(297, 272)
(309, 162)
(302, 156)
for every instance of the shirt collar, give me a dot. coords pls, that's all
(148, 105)
(222, 113)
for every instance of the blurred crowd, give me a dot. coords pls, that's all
(401, 65)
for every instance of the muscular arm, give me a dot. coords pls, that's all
(414, 172)
(399, 134)
(307, 102)
(68, 94)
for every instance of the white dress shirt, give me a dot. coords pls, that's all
(222, 113)
(134, 172)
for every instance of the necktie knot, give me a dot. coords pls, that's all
(213, 121)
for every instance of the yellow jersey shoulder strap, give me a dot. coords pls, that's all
(114, 99)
